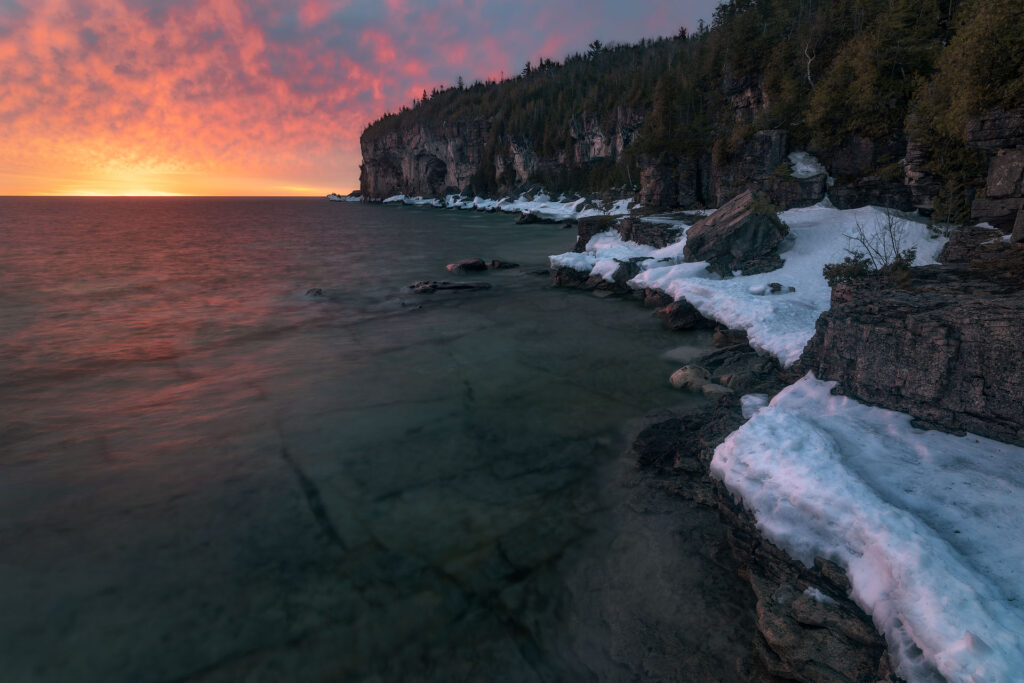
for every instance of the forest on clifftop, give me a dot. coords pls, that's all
(824, 71)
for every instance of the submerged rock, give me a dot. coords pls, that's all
(315, 292)
(692, 377)
(502, 265)
(431, 286)
(467, 266)
(682, 315)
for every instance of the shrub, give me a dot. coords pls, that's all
(878, 249)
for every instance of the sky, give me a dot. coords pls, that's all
(222, 97)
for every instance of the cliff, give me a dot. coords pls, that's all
(436, 158)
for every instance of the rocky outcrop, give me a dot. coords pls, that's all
(742, 235)
(808, 629)
(941, 343)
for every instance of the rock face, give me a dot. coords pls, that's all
(757, 159)
(742, 235)
(942, 345)
(788, 192)
(857, 168)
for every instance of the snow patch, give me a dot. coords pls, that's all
(781, 325)
(926, 524)
(805, 165)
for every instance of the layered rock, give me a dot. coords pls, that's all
(742, 235)
(941, 343)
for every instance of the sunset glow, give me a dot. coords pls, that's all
(112, 97)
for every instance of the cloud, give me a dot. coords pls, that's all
(228, 95)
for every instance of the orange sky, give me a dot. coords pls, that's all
(257, 98)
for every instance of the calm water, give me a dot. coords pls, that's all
(207, 475)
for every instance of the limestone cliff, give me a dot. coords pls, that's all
(431, 159)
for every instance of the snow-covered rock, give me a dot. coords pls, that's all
(926, 524)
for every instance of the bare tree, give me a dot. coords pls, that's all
(810, 58)
(884, 243)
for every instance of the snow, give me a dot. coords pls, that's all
(541, 204)
(805, 166)
(751, 403)
(926, 524)
(813, 592)
(780, 324)
(603, 254)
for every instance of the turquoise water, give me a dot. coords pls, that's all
(206, 474)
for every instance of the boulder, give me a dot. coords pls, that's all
(653, 298)
(712, 390)
(467, 266)
(742, 231)
(431, 286)
(682, 315)
(656, 235)
(691, 377)
(725, 337)
(1006, 174)
(942, 344)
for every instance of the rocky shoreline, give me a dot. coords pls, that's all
(934, 342)
(808, 628)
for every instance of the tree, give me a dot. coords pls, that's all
(594, 49)
(460, 84)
